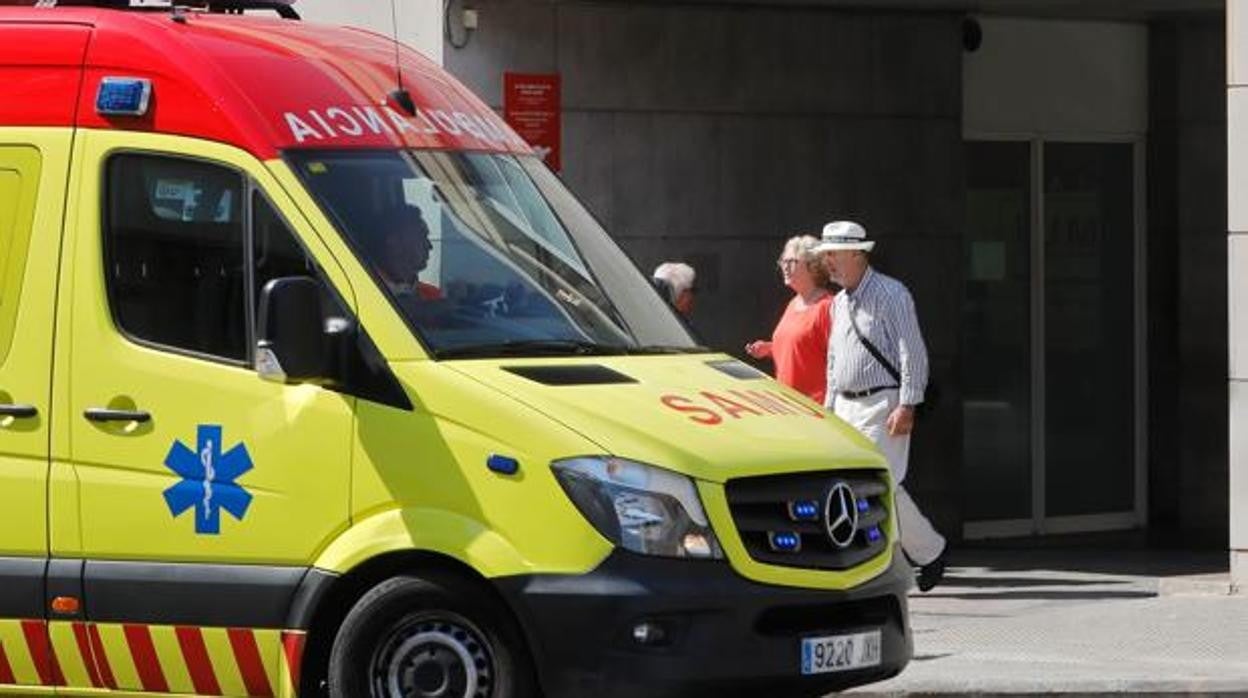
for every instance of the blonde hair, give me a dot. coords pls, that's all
(803, 247)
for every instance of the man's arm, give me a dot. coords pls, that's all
(911, 350)
(913, 354)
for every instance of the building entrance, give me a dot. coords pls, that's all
(1052, 337)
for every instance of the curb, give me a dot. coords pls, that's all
(1200, 585)
(1049, 694)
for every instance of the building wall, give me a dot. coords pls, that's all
(711, 134)
(1237, 212)
(419, 21)
(1187, 297)
(1054, 79)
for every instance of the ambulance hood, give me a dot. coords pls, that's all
(707, 416)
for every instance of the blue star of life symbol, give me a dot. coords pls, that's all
(208, 477)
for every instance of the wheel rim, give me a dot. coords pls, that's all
(433, 656)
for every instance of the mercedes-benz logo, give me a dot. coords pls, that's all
(840, 514)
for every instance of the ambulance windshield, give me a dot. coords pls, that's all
(488, 254)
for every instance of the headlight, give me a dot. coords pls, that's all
(639, 507)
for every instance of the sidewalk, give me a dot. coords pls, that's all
(1077, 621)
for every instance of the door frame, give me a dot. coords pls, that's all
(1039, 523)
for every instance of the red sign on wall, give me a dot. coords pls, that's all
(531, 106)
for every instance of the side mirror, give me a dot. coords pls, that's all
(292, 346)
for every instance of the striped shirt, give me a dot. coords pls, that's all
(884, 311)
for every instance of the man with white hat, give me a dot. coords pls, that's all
(877, 374)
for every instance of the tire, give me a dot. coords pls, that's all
(429, 637)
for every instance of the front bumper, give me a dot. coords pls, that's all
(723, 635)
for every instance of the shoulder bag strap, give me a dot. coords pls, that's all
(888, 366)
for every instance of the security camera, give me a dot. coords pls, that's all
(972, 35)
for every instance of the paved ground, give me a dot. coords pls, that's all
(1078, 621)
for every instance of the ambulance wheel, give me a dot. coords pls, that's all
(412, 637)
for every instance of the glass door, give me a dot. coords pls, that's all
(996, 321)
(1050, 338)
(1089, 328)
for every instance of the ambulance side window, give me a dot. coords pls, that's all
(174, 254)
(278, 253)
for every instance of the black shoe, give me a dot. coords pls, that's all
(932, 573)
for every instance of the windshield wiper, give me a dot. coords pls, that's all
(533, 347)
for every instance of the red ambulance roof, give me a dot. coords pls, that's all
(259, 83)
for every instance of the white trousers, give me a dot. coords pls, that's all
(869, 415)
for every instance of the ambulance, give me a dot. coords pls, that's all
(314, 380)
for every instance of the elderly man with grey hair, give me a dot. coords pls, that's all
(877, 374)
(675, 280)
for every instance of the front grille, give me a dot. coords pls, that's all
(763, 511)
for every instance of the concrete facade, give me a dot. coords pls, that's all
(713, 133)
(1237, 179)
(1187, 306)
(1030, 78)
(416, 23)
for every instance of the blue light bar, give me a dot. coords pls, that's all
(874, 534)
(784, 541)
(863, 505)
(123, 96)
(804, 511)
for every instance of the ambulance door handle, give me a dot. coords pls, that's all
(18, 411)
(102, 414)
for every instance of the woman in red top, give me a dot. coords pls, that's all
(799, 344)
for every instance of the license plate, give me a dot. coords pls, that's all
(821, 655)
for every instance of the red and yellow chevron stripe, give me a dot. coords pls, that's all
(139, 658)
(25, 655)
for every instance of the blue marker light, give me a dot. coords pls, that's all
(804, 511)
(123, 96)
(873, 534)
(502, 464)
(863, 505)
(784, 541)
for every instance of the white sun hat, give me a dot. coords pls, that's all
(844, 235)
